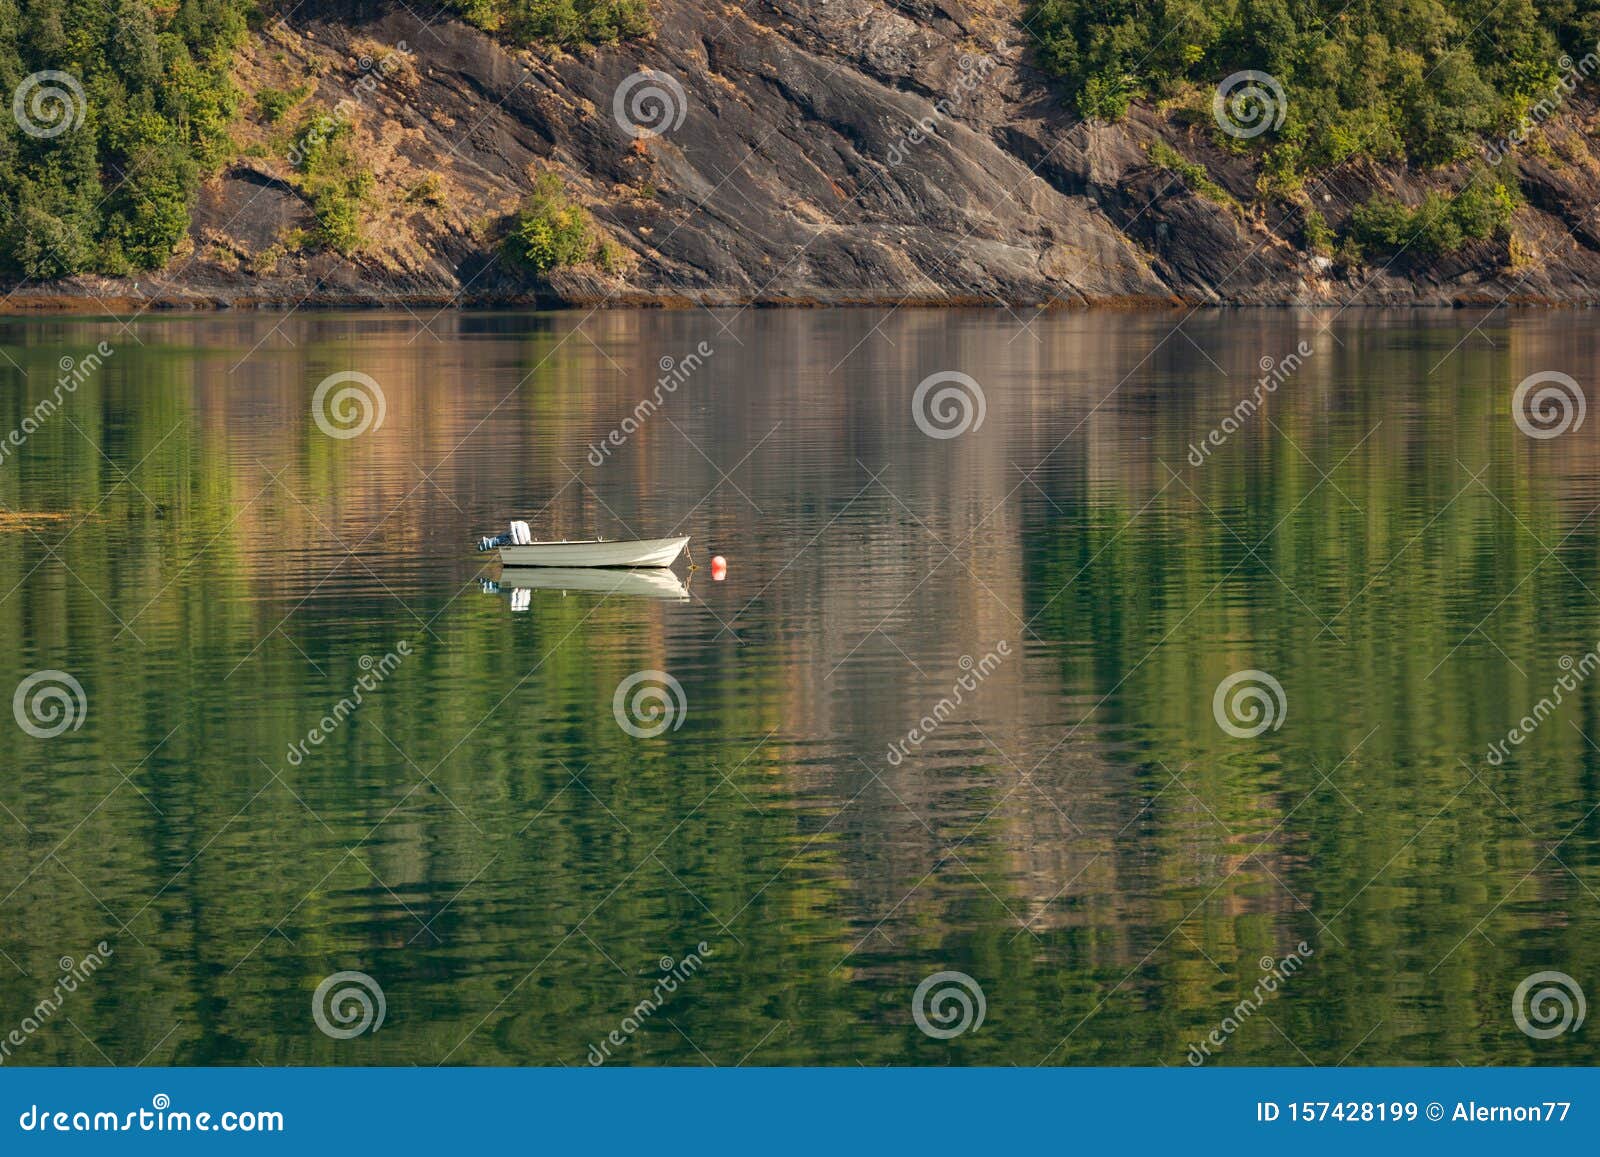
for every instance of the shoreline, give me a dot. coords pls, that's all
(25, 305)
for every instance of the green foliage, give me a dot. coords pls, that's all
(1319, 235)
(1105, 96)
(334, 178)
(45, 245)
(1422, 81)
(1484, 209)
(566, 22)
(609, 256)
(110, 192)
(551, 230)
(428, 191)
(1441, 224)
(273, 103)
(1195, 176)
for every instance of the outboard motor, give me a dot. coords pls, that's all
(518, 535)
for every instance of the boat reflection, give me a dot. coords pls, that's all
(520, 583)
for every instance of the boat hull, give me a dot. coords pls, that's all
(651, 583)
(653, 552)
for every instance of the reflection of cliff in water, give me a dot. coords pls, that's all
(1406, 602)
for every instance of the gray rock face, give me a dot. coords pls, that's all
(813, 151)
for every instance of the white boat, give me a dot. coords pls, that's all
(650, 583)
(591, 552)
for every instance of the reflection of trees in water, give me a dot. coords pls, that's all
(1139, 851)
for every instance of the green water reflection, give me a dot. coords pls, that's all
(1078, 835)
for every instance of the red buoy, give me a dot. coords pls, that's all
(719, 568)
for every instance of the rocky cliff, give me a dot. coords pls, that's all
(809, 151)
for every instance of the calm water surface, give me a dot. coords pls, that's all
(1075, 831)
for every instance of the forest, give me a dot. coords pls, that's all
(124, 106)
(121, 108)
(565, 22)
(1422, 82)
